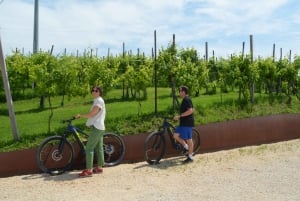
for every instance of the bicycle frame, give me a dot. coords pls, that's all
(166, 127)
(76, 132)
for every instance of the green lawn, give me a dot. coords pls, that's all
(125, 117)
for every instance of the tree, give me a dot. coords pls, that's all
(289, 76)
(45, 71)
(20, 73)
(167, 61)
(102, 72)
(66, 76)
(244, 73)
(268, 75)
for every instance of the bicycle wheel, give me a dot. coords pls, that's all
(55, 155)
(196, 140)
(114, 149)
(154, 147)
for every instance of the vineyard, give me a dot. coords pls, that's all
(44, 77)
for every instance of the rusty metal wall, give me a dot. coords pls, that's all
(214, 137)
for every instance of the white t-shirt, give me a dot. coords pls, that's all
(98, 120)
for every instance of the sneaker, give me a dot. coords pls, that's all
(188, 160)
(185, 152)
(97, 170)
(86, 173)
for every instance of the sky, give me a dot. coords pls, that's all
(102, 25)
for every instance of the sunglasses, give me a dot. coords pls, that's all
(94, 91)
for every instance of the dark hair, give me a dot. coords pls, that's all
(98, 89)
(185, 89)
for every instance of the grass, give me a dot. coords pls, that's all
(125, 117)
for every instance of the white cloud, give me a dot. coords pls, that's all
(79, 24)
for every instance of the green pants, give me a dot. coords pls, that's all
(94, 143)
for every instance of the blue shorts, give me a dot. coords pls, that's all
(185, 132)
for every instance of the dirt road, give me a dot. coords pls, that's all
(267, 172)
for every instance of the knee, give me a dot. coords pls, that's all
(176, 136)
(88, 149)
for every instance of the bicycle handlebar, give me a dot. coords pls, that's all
(169, 118)
(166, 121)
(164, 117)
(68, 120)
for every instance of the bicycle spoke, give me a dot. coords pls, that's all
(53, 155)
(114, 149)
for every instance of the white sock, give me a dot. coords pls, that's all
(186, 147)
(191, 156)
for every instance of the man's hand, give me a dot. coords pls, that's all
(176, 118)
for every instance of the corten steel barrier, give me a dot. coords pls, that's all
(214, 137)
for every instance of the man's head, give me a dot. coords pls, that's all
(184, 89)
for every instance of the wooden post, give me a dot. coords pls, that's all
(206, 51)
(252, 87)
(273, 52)
(155, 75)
(243, 49)
(280, 54)
(36, 27)
(9, 100)
(108, 53)
(123, 70)
(251, 48)
(173, 84)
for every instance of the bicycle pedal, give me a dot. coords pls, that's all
(184, 151)
(178, 146)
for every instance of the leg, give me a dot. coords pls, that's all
(186, 134)
(89, 150)
(89, 153)
(100, 151)
(180, 135)
(191, 146)
(180, 140)
(90, 146)
(189, 140)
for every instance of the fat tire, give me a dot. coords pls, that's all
(114, 149)
(48, 159)
(154, 147)
(196, 140)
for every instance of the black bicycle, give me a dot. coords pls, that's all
(55, 155)
(155, 143)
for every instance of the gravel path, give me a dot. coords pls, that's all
(266, 172)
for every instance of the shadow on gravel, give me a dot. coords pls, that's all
(164, 163)
(67, 176)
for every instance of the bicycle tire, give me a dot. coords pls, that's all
(154, 147)
(114, 149)
(196, 140)
(48, 158)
